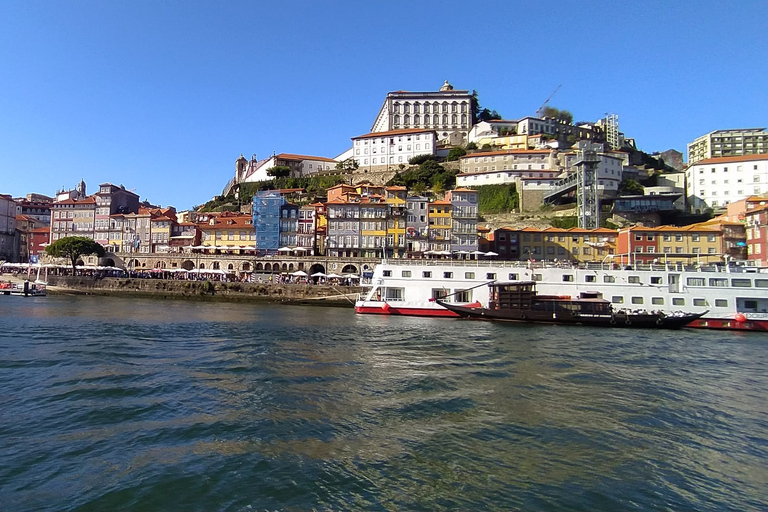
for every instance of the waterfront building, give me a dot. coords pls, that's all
(417, 225)
(184, 236)
(25, 224)
(698, 243)
(440, 226)
(229, 231)
(111, 199)
(8, 245)
(374, 214)
(714, 183)
(343, 228)
(576, 245)
(756, 227)
(381, 151)
(463, 219)
(39, 239)
(728, 143)
(37, 206)
(306, 230)
(161, 224)
(343, 192)
(266, 220)
(73, 217)
(446, 111)
(289, 225)
(396, 220)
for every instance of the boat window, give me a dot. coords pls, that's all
(678, 301)
(427, 274)
(537, 277)
(590, 279)
(387, 273)
(741, 283)
(469, 275)
(439, 293)
(567, 278)
(637, 300)
(700, 302)
(406, 273)
(761, 283)
(695, 281)
(633, 279)
(657, 301)
(394, 294)
(609, 279)
(655, 280)
(447, 275)
(718, 281)
(617, 299)
(490, 275)
(513, 277)
(721, 303)
(462, 295)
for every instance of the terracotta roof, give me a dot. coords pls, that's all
(85, 200)
(392, 133)
(397, 187)
(441, 202)
(291, 156)
(44, 229)
(730, 159)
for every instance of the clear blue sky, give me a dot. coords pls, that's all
(163, 96)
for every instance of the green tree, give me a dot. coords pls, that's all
(279, 171)
(348, 165)
(471, 145)
(73, 247)
(455, 153)
(630, 187)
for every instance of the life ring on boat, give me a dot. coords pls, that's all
(613, 321)
(659, 321)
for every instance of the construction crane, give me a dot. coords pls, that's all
(541, 108)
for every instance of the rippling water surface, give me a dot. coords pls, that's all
(117, 404)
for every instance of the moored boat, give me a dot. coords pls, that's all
(25, 289)
(730, 297)
(519, 302)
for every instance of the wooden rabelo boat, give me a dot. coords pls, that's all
(519, 302)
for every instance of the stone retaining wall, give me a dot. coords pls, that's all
(205, 290)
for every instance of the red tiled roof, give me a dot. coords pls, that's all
(291, 156)
(391, 133)
(507, 152)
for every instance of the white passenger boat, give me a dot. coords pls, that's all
(733, 297)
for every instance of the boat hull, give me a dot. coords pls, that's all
(640, 320)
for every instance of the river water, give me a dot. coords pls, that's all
(140, 405)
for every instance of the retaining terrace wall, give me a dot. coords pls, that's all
(206, 290)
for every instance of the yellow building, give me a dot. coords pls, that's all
(373, 227)
(396, 199)
(440, 226)
(574, 244)
(228, 231)
(671, 244)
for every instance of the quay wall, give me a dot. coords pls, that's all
(205, 290)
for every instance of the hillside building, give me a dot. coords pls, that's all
(728, 143)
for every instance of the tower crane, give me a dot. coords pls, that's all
(541, 108)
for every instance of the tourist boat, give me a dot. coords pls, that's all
(518, 302)
(731, 296)
(25, 289)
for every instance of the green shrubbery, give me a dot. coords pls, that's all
(497, 198)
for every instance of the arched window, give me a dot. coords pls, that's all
(215, 265)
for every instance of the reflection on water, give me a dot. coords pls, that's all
(116, 404)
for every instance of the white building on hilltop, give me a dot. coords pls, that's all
(717, 182)
(387, 150)
(446, 111)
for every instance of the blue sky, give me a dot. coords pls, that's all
(163, 96)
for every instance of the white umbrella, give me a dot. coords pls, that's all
(462, 252)
(284, 249)
(299, 273)
(302, 249)
(333, 275)
(318, 274)
(491, 253)
(477, 252)
(352, 276)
